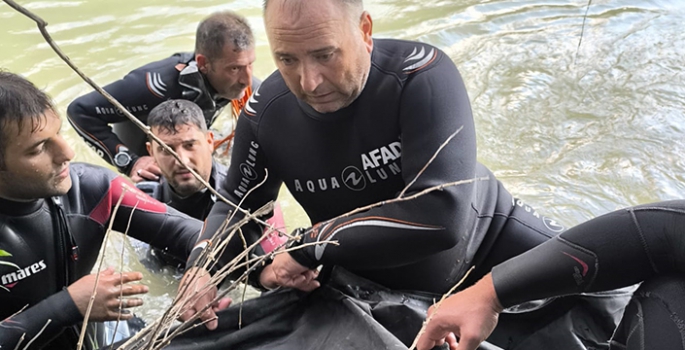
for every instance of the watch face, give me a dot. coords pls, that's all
(122, 159)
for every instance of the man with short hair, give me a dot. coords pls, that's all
(358, 120)
(181, 125)
(219, 72)
(53, 219)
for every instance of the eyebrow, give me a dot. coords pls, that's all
(182, 142)
(321, 50)
(38, 143)
(311, 52)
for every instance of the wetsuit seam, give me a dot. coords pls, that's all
(530, 227)
(643, 241)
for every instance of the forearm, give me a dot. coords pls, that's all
(388, 236)
(59, 309)
(611, 251)
(86, 114)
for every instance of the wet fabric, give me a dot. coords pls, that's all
(655, 317)
(349, 312)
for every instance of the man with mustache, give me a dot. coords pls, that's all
(217, 74)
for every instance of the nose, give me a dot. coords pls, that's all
(64, 153)
(246, 76)
(310, 78)
(183, 156)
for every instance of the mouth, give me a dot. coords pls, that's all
(63, 174)
(321, 97)
(183, 174)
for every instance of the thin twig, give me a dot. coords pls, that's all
(97, 275)
(121, 277)
(582, 30)
(21, 340)
(435, 155)
(42, 27)
(38, 335)
(437, 306)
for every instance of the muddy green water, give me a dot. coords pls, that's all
(575, 132)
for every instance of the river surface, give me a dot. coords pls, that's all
(574, 131)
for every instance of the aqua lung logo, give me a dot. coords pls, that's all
(549, 223)
(552, 224)
(418, 59)
(247, 169)
(353, 178)
(252, 101)
(117, 111)
(379, 164)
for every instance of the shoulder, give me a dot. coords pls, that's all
(271, 90)
(404, 58)
(89, 183)
(85, 176)
(175, 62)
(160, 75)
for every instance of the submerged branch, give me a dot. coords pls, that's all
(582, 30)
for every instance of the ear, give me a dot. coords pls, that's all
(148, 146)
(202, 62)
(210, 138)
(366, 27)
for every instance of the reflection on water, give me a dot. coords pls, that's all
(572, 131)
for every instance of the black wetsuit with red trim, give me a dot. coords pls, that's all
(47, 244)
(175, 77)
(645, 242)
(414, 99)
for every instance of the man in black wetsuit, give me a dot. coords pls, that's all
(642, 243)
(357, 119)
(219, 72)
(180, 124)
(53, 218)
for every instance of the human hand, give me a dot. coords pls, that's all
(107, 306)
(198, 296)
(471, 315)
(145, 168)
(286, 272)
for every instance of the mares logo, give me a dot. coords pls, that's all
(11, 279)
(578, 275)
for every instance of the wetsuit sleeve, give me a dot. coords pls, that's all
(614, 250)
(146, 219)
(59, 308)
(434, 104)
(91, 114)
(247, 169)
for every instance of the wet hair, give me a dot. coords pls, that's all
(354, 6)
(171, 114)
(21, 102)
(220, 29)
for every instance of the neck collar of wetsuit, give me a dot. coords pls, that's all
(15, 208)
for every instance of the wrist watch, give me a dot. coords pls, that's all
(122, 159)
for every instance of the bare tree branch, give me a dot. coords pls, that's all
(437, 306)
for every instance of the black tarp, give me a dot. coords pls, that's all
(348, 312)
